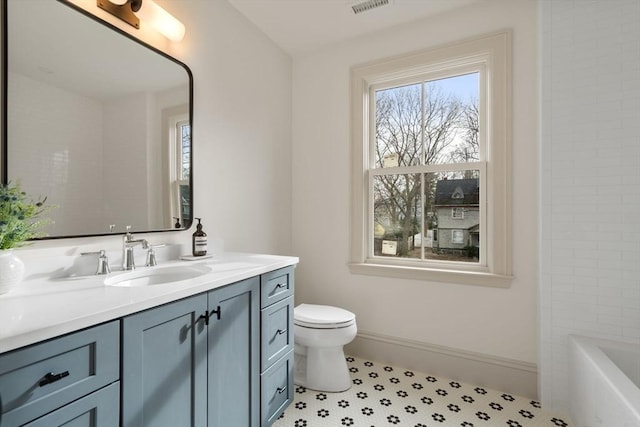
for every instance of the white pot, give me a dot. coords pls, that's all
(11, 271)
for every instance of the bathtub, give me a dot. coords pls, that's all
(604, 383)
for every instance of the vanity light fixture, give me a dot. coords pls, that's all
(132, 11)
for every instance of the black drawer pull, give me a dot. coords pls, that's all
(204, 317)
(281, 285)
(281, 390)
(281, 331)
(208, 314)
(52, 378)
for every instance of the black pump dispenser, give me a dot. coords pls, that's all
(199, 241)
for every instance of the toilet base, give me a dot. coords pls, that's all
(321, 368)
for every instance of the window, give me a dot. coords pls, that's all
(431, 158)
(457, 237)
(457, 213)
(180, 160)
(183, 166)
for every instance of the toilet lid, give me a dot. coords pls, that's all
(325, 315)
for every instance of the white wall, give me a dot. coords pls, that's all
(242, 127)
(480, 320)
(590, 180)
(241, 131)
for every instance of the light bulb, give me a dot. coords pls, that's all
(161, 20)
(118, 2)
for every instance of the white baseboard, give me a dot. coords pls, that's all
(510, 376)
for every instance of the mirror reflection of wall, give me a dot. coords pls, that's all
(93, 127)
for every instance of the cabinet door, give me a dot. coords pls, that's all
(234, 355)
(164, 367)
(99, 409)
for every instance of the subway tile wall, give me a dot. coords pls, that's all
(590, 180)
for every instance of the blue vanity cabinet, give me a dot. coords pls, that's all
(70, 380)
(221, 358)
(164, 365)
(276, 366)
(234, 355)
(194, 362)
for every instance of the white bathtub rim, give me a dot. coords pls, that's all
(622, 385)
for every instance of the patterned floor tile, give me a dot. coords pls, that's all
(384, 395)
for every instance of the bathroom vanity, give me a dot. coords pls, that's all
(187, 343)
(212, 350)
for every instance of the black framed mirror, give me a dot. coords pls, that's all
(95, 120)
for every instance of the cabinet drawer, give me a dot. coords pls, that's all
(36, 380)
(277, 389)
(277, 331)
(99, 409)
(276, 285)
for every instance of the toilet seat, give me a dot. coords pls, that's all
(322, 317)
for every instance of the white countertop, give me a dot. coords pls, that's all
(46, 308)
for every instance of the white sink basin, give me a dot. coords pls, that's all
(157, 275)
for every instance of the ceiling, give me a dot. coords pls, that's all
(302, 25)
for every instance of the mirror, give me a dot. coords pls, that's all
(96, 121)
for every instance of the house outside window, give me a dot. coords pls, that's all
(430, 143)
(460, 197)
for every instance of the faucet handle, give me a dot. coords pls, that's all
(151, 255)
(103, 261)
(128, 235)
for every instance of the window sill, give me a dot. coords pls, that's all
(432, 275)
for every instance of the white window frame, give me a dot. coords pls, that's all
(491, 55)
(453, 237)
(175, 162)
(460, 212)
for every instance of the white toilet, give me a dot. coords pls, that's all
(320, 332)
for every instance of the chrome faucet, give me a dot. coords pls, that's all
(128, 243)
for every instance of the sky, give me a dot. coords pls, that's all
(465, 87)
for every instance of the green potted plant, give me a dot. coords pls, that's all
(19, 222)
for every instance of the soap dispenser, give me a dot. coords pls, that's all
(199, 241)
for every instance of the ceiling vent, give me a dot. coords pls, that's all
(368, 5)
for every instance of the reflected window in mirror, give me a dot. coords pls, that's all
(180, 153)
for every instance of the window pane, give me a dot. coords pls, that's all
(397, 215)
(185, 203)
(451, 120)
(398, 126)
(452, 219)
(457, 213)
(185, 152)
(448, 231)
(457, 236)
